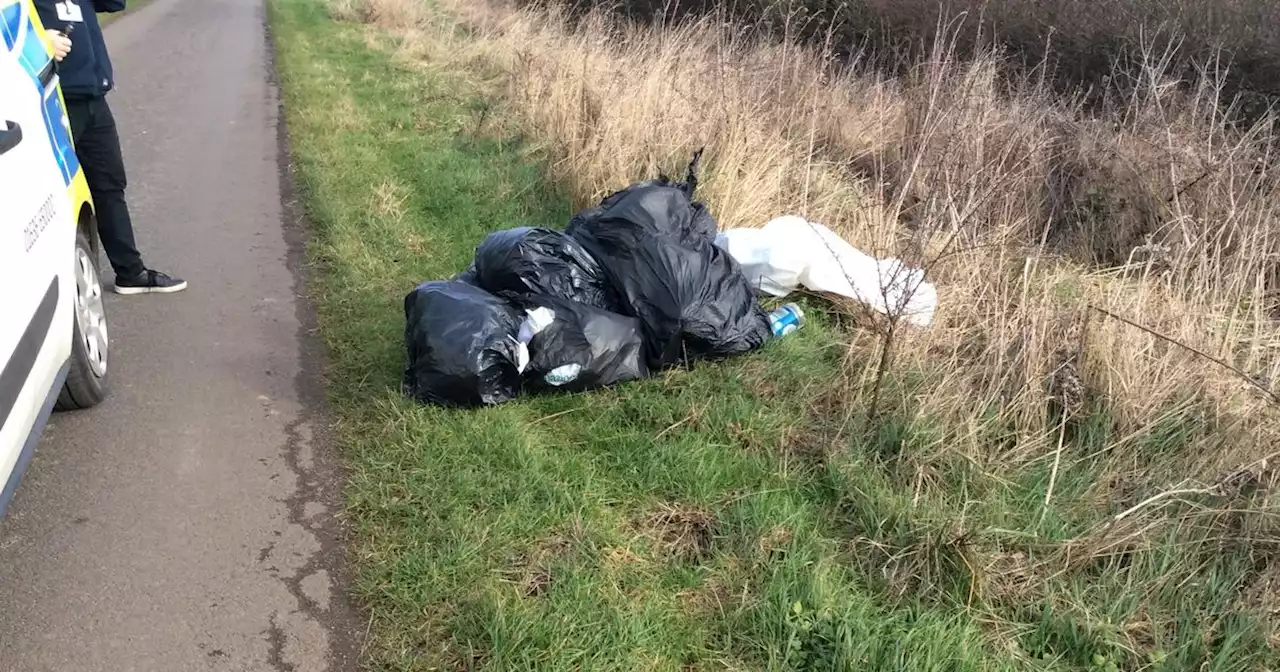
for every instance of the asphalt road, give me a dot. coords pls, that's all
(188, 523)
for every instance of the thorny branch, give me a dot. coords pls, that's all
(1216, 360)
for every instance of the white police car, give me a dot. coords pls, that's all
(53, 327)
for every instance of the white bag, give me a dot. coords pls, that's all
(771, 266)
(791, 251)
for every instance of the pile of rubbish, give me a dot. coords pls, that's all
(638, 284)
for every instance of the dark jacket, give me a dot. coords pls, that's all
(86, 71)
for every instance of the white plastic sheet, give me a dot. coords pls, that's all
(791, 252)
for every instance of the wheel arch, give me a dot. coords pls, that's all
(87, 223)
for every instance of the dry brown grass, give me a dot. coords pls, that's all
(397, 14)
(683, 533)
(1096, 44)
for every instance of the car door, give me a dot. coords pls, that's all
(36, 238)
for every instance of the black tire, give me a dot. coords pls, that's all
(86, 386)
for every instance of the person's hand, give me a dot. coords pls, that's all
(61, 44)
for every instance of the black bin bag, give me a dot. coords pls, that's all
(531, 260)
(655, 245)
(658, 207)
(582, 348)
(461, 345)
(468, 276)
(692, 302)
(655, 207)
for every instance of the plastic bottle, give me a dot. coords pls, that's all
(786, 320)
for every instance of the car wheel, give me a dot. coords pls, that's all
(86, 384)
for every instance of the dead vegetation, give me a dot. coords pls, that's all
(682, 533)
(1094, 46)
(533, 571)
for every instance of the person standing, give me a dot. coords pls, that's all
(85, 72)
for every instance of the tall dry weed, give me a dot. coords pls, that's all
(387, 13)
(1099, 46)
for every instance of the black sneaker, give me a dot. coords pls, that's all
(149, 282)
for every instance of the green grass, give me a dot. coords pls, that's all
(719, 518)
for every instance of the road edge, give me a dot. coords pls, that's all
(324, 480)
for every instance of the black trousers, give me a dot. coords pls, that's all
(98, 147)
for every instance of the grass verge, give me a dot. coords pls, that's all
(729, 517)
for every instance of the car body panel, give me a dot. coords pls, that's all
(43, 200)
